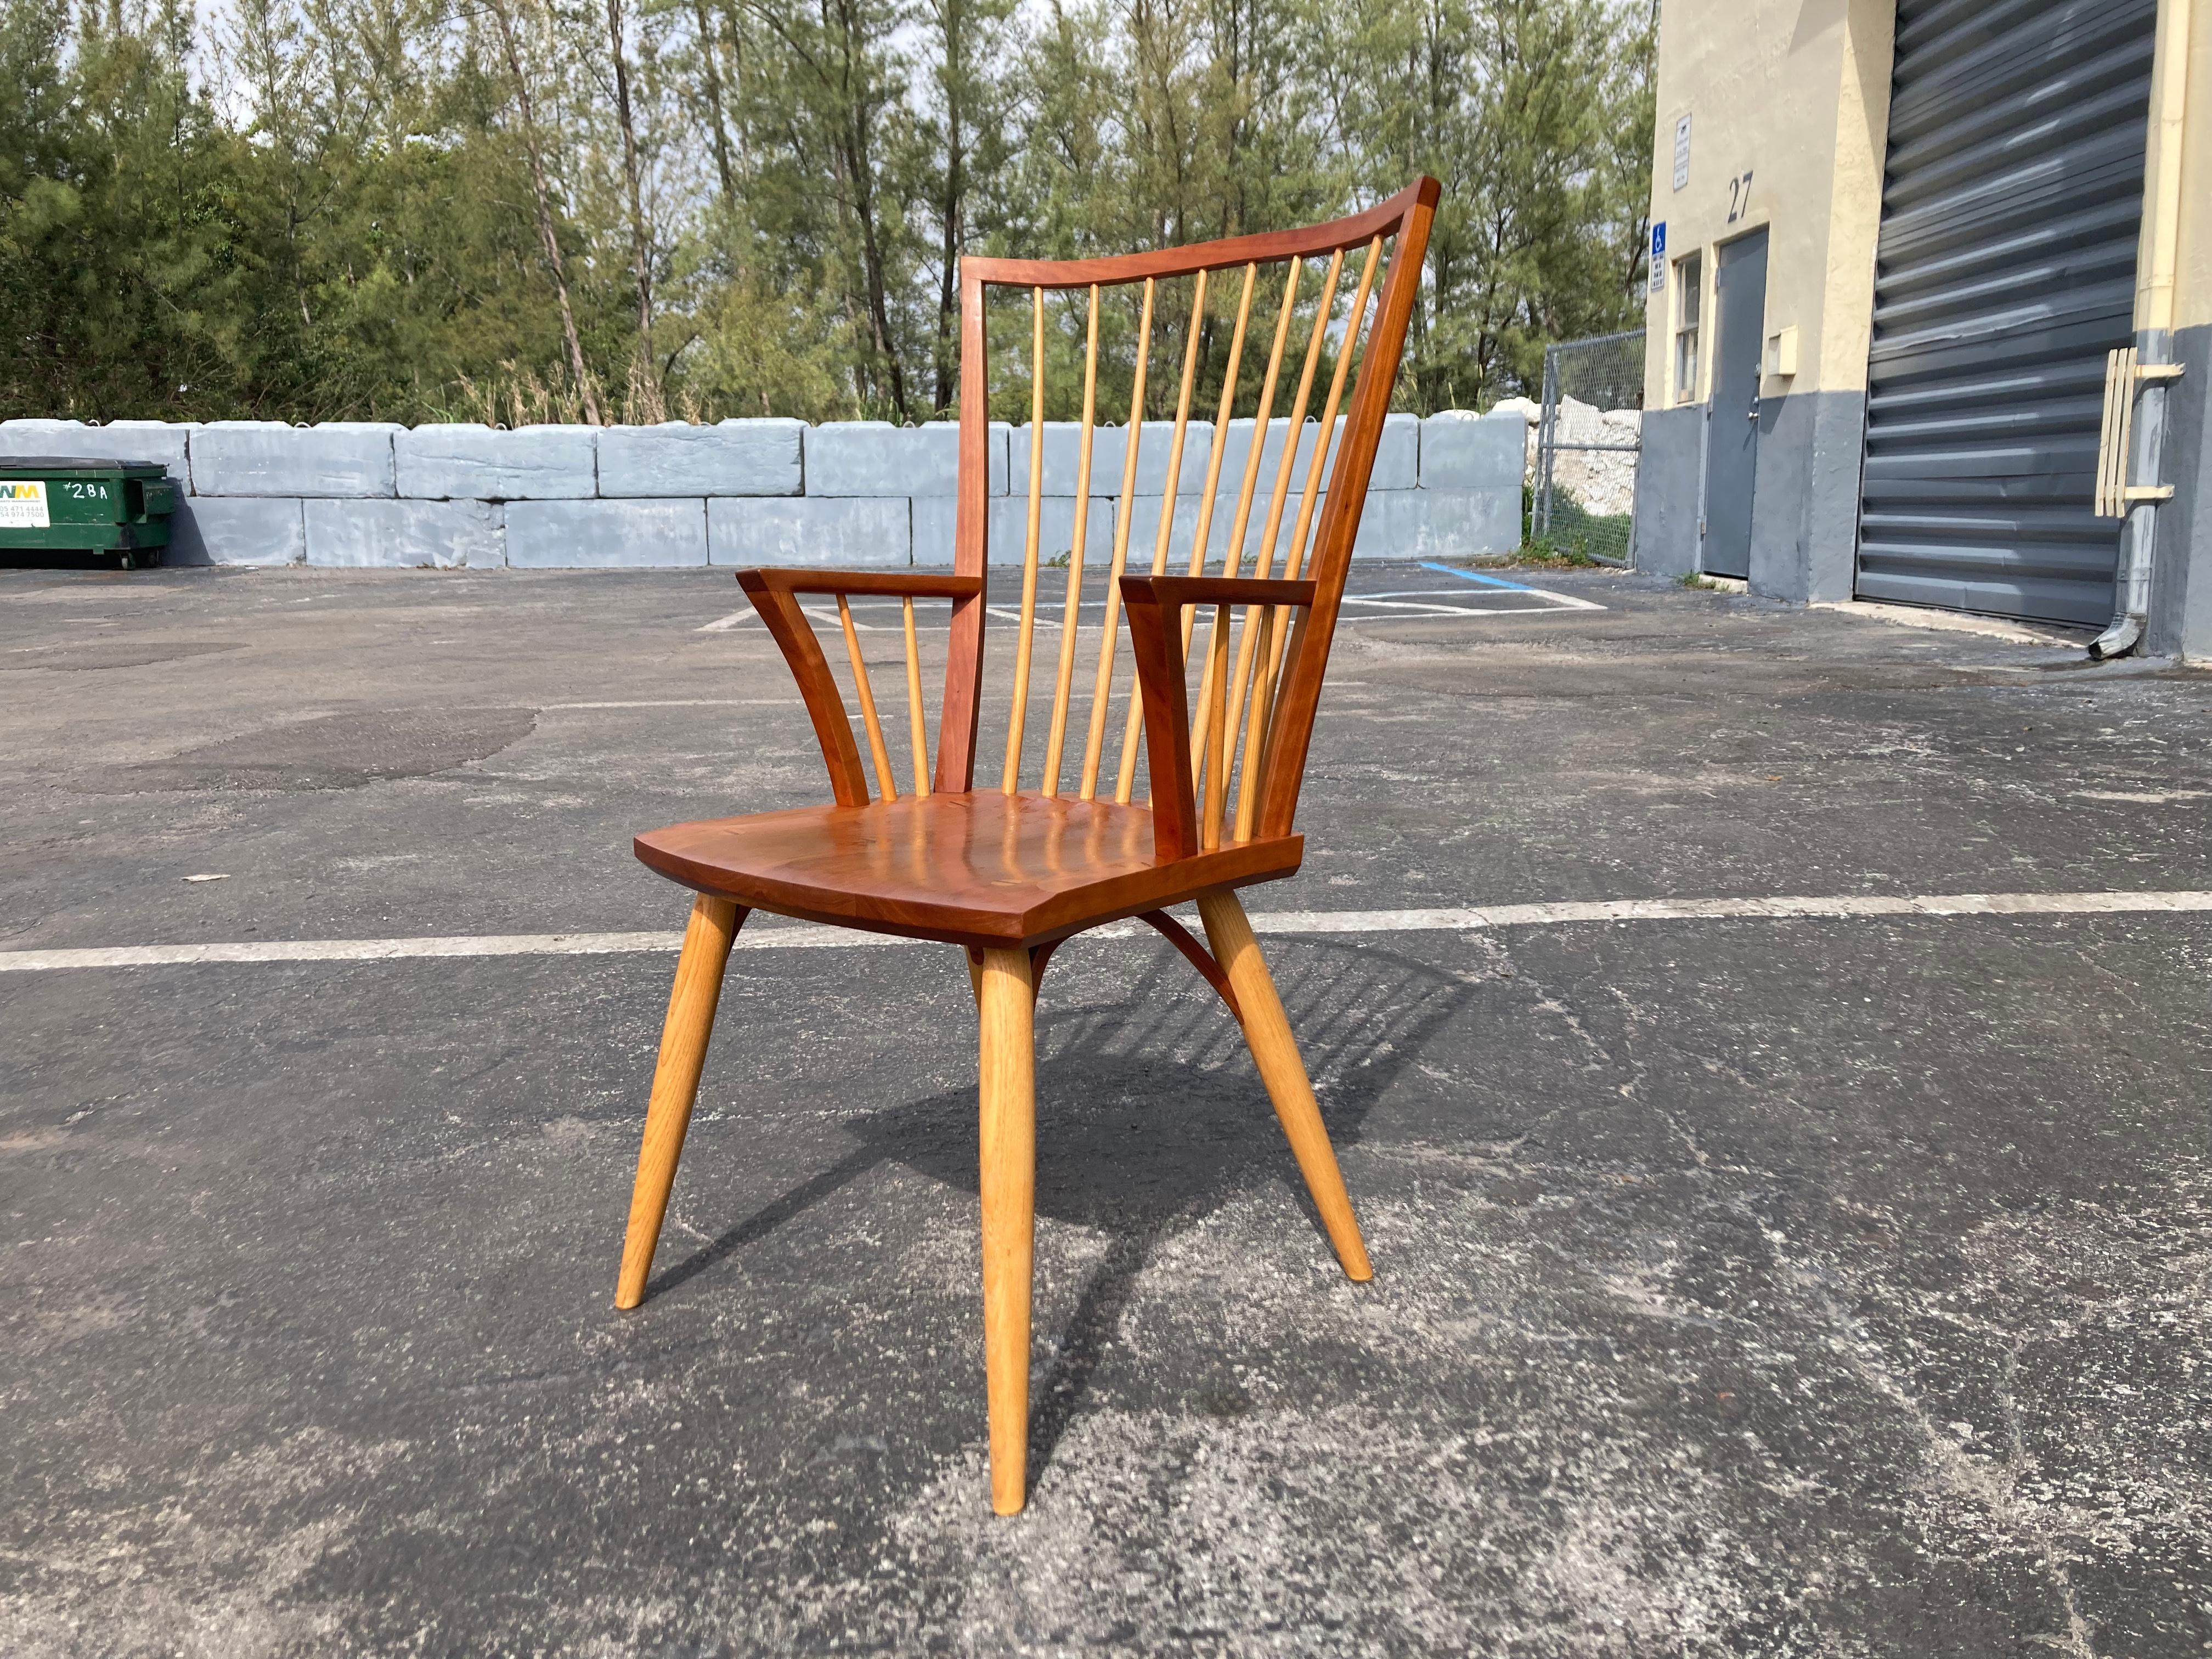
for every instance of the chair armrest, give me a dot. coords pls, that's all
(895, 584)
(1176, 592)
(775, 594)
(1155, 604)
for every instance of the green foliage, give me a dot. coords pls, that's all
(1578, 536)
(329, 208)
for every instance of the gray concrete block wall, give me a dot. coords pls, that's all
(1460, 451)
(760, 492)
(154, 442)
(934, 517)
(450, 535)
(635, 535)
(874, 457)
(1063, 457)
(238, 530)
(462, 461)
(1439, 524)
(737, 458)
(840, 531)
(268, 457)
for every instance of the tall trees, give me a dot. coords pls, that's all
(645, 375)
(970, 105)
(549, 234)
(1536, 116)
(615, 208)
(828, 114)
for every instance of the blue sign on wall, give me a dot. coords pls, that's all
(1658, 255)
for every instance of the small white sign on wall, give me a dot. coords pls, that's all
(1681, 152)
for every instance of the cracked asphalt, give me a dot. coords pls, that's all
(1743, 1286)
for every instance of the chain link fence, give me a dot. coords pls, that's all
(1588, 437)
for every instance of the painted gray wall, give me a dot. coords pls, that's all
(2181, 579)
(1666, 490)
(1805, 507)
(1805, 502)
(850, 493)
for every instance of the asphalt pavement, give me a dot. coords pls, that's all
(1757, 1282)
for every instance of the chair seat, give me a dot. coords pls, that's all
(981, 868)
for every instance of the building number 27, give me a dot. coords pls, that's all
(1738, 195)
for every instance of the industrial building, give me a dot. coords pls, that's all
(1930, 308)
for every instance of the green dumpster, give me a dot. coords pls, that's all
(67, 504)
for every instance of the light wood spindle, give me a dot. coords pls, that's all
(1125, 782)
(1018, 715)
(1103, 686)
(1212, 692)
(1248, 636)
(1217, 728)
(917, 728)
(1065, 681)
(1294, 557)
(1278, 623)
(1205, 530)
(876, 752)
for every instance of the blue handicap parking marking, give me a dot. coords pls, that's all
(1497, 597)
(1486, 579)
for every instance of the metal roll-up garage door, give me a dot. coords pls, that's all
(2006, 271)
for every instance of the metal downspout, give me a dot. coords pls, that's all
(2154, 333)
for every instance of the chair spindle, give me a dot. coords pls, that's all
(1065, 681)
(1204, 532)
(917, 728)
(1103, 686)
(1016, 719)
(1213, 693)
(1125, 782)
(876, 752)
(1279, 622)
(1248, 635)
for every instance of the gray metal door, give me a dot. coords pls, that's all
(1732, 438)
(2007, 270)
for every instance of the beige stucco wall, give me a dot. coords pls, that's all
(1796, 93)
(2192, 300)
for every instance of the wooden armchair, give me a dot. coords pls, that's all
(1009, 873)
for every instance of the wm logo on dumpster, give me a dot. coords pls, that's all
(23, 505)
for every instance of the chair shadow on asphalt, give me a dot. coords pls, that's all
(1150, 1116)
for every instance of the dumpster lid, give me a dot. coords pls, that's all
(43, 464)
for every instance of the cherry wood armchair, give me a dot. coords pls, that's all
(1009, 873)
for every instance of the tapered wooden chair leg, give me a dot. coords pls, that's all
(714, 923)
(1008, 1079)
(1267, 1029)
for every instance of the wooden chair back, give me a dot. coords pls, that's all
(1259, 684)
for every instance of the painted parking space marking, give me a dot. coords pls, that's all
(680, 702)
(807, 936)
(1564, 601)
(1499, 598)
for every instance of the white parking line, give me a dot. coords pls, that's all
(801, 936)
(1433, 602)
(685, 702)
